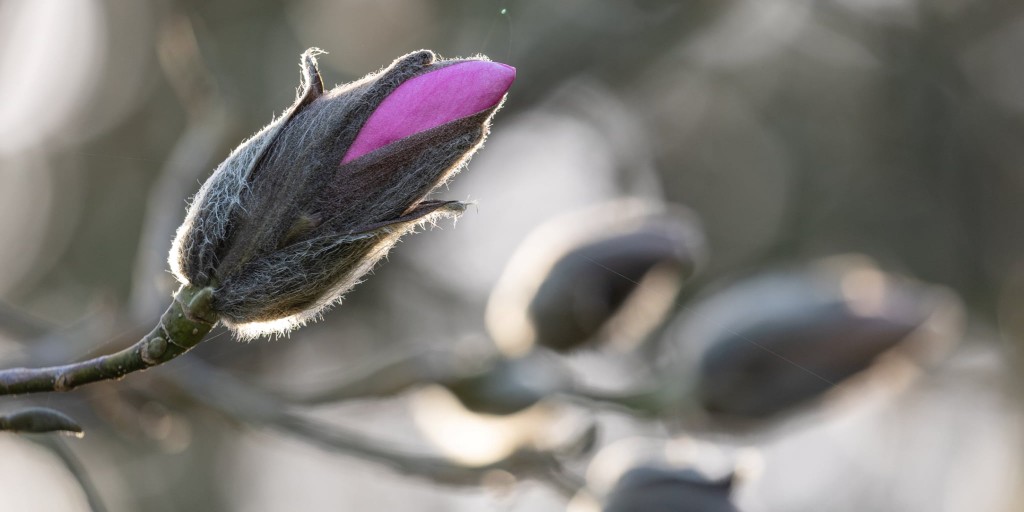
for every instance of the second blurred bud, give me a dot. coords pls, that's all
(609, 272)
(769, 343)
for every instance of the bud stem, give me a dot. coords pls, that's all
(185, 323)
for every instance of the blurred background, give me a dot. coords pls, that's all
(807, 155)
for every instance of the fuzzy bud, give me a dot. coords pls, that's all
(302, 209)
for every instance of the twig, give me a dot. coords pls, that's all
(241, 402)
(38, 420)
(185, 323)
(652, 400)
(529, 463)
(75, 467)
(394, 374)
(386, 376)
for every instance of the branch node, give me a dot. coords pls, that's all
(153, 351)
(199, 307)
(61, 383)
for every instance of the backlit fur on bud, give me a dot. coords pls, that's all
(283, 227)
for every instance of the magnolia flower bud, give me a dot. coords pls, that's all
(609, 272)
(302, 209)
(770, 343)
(36, 420)
(651, 489)
(510, 385)
(587, 286)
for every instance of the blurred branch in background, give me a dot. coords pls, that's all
(60, 448)
(185, 323)
(209, 125)
(241, 402)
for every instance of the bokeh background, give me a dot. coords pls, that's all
(794, 130)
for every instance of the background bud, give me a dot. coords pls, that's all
(37, 420)
(621, 263)
(774, 341)
(510, 385)
(651, 489)
(297, 213)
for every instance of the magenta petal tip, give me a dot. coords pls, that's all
(431, 100)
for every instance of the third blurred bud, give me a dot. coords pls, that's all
(768, 343)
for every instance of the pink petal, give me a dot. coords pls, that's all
(432, 99)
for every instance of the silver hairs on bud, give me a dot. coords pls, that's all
(282, 228)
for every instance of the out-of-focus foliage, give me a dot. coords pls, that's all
(793, 129)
